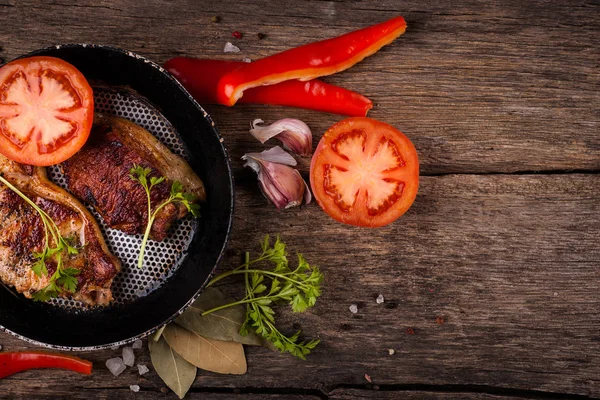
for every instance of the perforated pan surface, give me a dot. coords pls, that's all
(161, 258)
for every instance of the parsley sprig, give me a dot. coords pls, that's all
(299, 287)
(63, 279)
(176, 195)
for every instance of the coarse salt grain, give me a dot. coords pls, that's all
(246, 60)
(134, 388)
(353, 308)
(391, 352)
(137, 344)
(128, 356)
(115, 365)
(231, 48)
(380, 299)
(142, 369)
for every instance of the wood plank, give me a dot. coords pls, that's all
(353, 394)
(145, 392)
(510, 263)
(501, 87)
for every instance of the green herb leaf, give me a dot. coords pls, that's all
(39, 267)
(140, 174)
(62, 280)
(176, 188)
(193, 208)
(46, 294)
(259, 289)
(224, 324)
(156, 181)
(299, 288)
(68, 280)
(299, 303)
(177, 195)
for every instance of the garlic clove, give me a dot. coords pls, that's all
(282, 185)
(307, 193)
(293, 133)
(275, 155)
(279, 183)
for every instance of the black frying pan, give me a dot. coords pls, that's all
(90, 329)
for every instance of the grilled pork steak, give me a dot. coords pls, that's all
(99, 175)
(22, 234)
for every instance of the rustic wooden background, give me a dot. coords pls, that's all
(495, 267)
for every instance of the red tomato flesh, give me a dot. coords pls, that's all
(364, 172)
(46, 110)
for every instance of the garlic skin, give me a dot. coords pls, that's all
(279, 183)
(293, 133)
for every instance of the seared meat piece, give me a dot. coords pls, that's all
(99, 175)
(22, 234)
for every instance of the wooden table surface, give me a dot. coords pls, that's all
(502, 245)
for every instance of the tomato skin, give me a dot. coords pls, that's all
(394, 185)
(44, 145)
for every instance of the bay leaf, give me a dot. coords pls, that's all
(223, 325)
(174, 370)
(158, 333)
(209, 354)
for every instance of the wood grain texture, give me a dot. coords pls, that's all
(496, 274)
(354, 394)
(510, 263)
(499, 86)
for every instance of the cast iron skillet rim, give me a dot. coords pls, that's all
(231, 205)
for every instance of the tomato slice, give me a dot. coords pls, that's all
(46, 110)
(364, 172)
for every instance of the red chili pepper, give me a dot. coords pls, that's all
(200, 78)
(309, 61)
(312, 95)
(11, 363)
